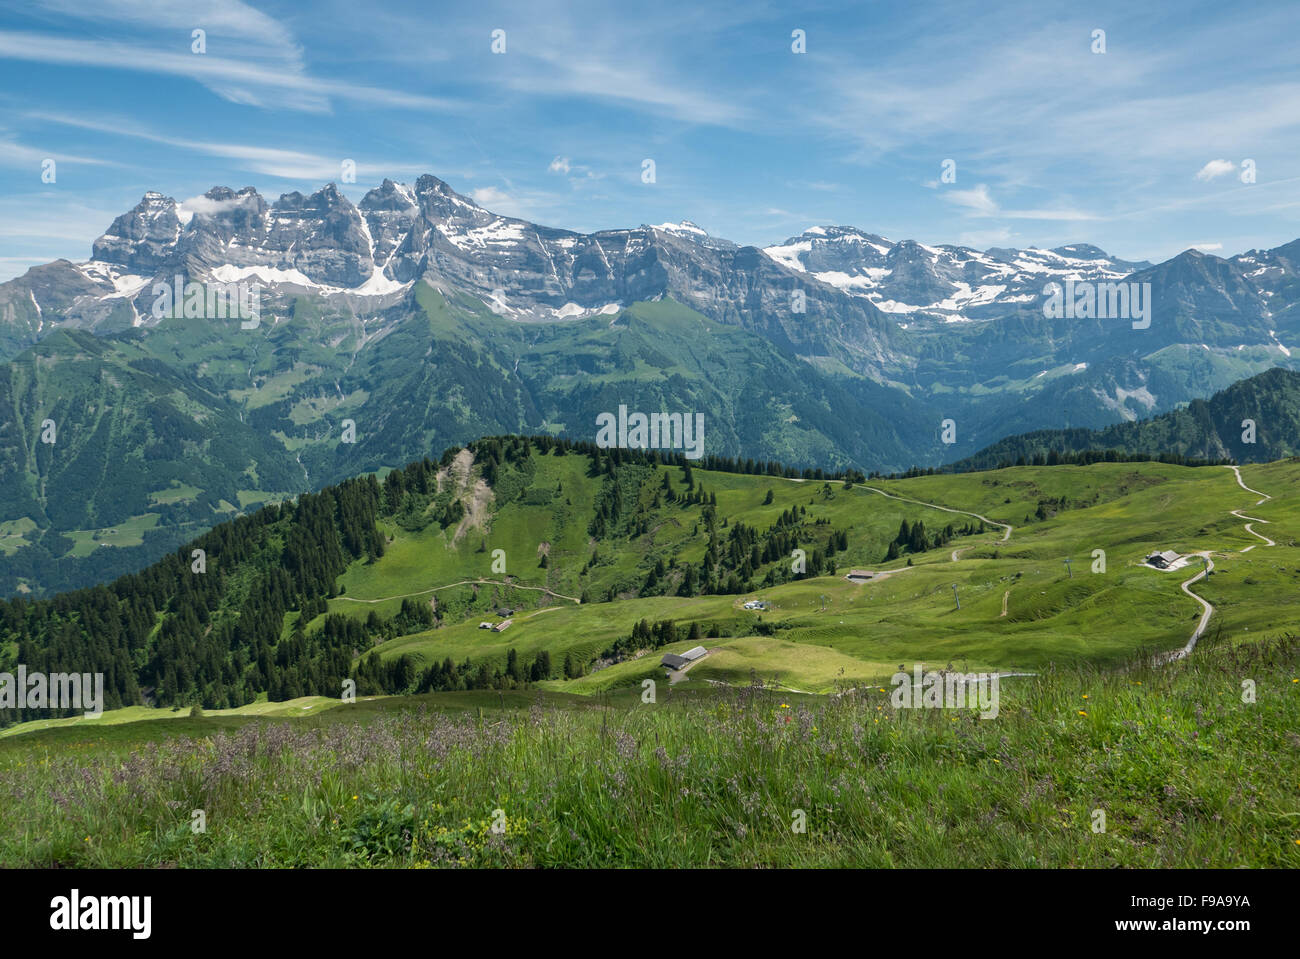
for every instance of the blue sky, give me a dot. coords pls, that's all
(1138, 149)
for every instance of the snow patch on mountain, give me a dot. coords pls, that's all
(228, 273)
(787, 255)
(684, 228)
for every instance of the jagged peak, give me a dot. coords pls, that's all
(684, 226)
(389, 195)
(326, 197)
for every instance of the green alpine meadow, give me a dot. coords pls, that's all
(460, 663)
(477, 463)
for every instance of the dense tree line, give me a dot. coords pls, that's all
(204, 624)
(984, 463)
(376, 676)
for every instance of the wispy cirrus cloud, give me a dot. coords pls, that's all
(563, 74)
(756, 140)
(269, 161)
(253, 83)
(14, 153)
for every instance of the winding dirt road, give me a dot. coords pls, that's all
(1207, 608)
(1253, 519)
(465, 582)
(947, 509)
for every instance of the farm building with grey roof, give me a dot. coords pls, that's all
(674, 661)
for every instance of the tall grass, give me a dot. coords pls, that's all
(1185, 772)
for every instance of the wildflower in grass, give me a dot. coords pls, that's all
(1085, 695)
(1082, 713)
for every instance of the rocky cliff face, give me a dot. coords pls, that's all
(898, 312)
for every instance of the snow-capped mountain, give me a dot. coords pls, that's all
(952, 284)
(373, 251)
(902, 313)
(692, 231)
(395, 235)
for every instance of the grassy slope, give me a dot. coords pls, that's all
(1186, 773)
(908, 617)
(866, 630)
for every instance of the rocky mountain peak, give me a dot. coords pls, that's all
(388, 196)
(144, 236)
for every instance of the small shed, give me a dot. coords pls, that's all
(1163, 559)
(502, 626)
(860, 575)
(673, 661)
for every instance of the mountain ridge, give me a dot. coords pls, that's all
(424, 320)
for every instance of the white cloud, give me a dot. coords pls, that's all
(1207, 247)
(1050, 214)
(566, 72)
(1215, 168)
(206, 206)
(269, 161)
(979, 203)
(273, 84)
(977, 200)
(231, 18)
(559, 165)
